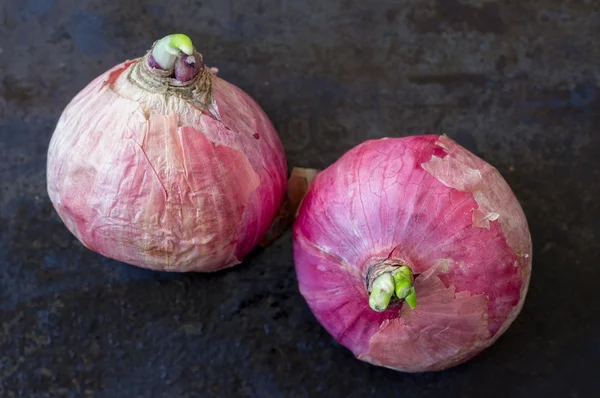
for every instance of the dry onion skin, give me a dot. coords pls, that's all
(161, 164)
(412, 252)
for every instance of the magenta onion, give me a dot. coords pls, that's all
(412, 222)
(161, 164)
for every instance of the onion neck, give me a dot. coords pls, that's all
(197, 91)
(391, 282)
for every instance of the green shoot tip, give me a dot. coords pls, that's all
(182, 42)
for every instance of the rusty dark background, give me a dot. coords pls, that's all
(516, 82)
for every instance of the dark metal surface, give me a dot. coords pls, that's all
(514, 81)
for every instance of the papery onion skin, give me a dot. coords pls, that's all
(163, 181)
(428, 203)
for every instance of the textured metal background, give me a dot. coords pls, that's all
(517, 82)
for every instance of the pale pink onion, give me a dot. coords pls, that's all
(446, 217)
(166, 166)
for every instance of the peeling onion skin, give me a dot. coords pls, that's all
(154, 180)
(425, 202)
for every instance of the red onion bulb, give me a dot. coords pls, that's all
(161, 164)
(410, 222)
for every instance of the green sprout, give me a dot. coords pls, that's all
(398, 282)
